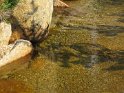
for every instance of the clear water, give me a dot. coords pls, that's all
(84, 52)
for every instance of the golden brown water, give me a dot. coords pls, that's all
(84, 52)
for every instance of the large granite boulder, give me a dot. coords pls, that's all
(11, 52)
(34, 18)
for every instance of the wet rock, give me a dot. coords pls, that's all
(34, 18)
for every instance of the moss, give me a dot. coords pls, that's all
(8, 4)
(5, 9)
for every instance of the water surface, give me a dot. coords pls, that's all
(84, 52)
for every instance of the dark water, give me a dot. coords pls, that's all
(84, 52)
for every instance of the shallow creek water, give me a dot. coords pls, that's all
(84, 53)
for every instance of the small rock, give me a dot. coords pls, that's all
(59, 3)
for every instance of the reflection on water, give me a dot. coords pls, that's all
(84, 52)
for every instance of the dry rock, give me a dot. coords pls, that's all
(11, 52)
(5, 33)
(34, 17)
(18, 50)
